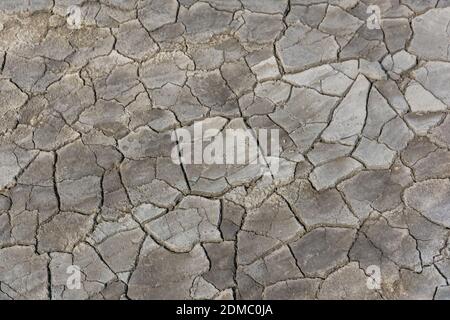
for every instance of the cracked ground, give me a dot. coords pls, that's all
(86, 177)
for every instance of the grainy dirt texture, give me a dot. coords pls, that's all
(360, 98)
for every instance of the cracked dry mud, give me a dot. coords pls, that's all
(86, 177)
